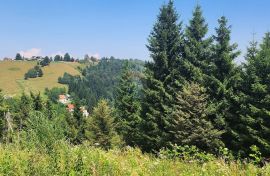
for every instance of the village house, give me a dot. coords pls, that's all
(70, 108)
(33, 58)
(7, 59)
(64, 99)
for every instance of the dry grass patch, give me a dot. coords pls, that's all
(12, 76)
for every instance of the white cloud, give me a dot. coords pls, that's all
(96, 55)
(31, 52)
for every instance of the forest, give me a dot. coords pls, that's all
(191, 110)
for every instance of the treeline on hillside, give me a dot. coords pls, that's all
(99, 81)
(192, 93)
(44, 61)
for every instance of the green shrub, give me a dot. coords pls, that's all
(33, 73)
(256, 155)
(186, 153)
(41, 132)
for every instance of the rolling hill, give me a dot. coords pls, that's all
(12, 76)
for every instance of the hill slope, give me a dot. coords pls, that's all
(12, 76)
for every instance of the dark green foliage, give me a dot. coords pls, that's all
(165, 42)
(190, 124)
(99, 81)
(37, 102)
(42, 132)
(53, 94)
(101, 129)
(79, 120)
(155, 114)
(49, 109)
(128, 107)
(67, 57)
(224, 53)
(2, 113)
(254, 126)
(58, 58)
(165, 46)
(197, 46)
(67, 78)
(25, 107)
(34, 72)
(223, 81)
(45, 62)
(75, 128)
(18, 57)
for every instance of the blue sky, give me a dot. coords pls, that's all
(112, 27)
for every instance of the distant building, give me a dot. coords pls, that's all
(35, 58)
(84, 111)
(70, 108)
(7, 59)
(64, 99)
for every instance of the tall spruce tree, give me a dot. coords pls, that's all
(101, 127)
(223, 77)
(197, 46)
(25, 106)
(224, 52)
(255, 111)
(165, 42)
(190, 124)
(128, 107)
(165, 47)
(239, 126)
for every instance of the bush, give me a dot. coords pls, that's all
(66, 79)
(186, 153)
(42, 133)
(33, 73)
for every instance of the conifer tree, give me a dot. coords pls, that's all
(255, 111)
(18, 57)
(128, 107)
(165, 47)
(239, 126)
(224, 52)
(223, 77)
(37, 102)
(197, 46)
(67, 57)
(101, 128)
(49, 109)
(190, 124)
(25, 106)
(79, 122)
(75, 122)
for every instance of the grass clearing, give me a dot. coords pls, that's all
(12, 76)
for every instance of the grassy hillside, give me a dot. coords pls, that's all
(83, 160)
(12, 76)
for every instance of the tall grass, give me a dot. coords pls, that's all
(65, 159)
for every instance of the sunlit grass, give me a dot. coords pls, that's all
(12, 76)
(84, 160)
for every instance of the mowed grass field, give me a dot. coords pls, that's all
(12, 76)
